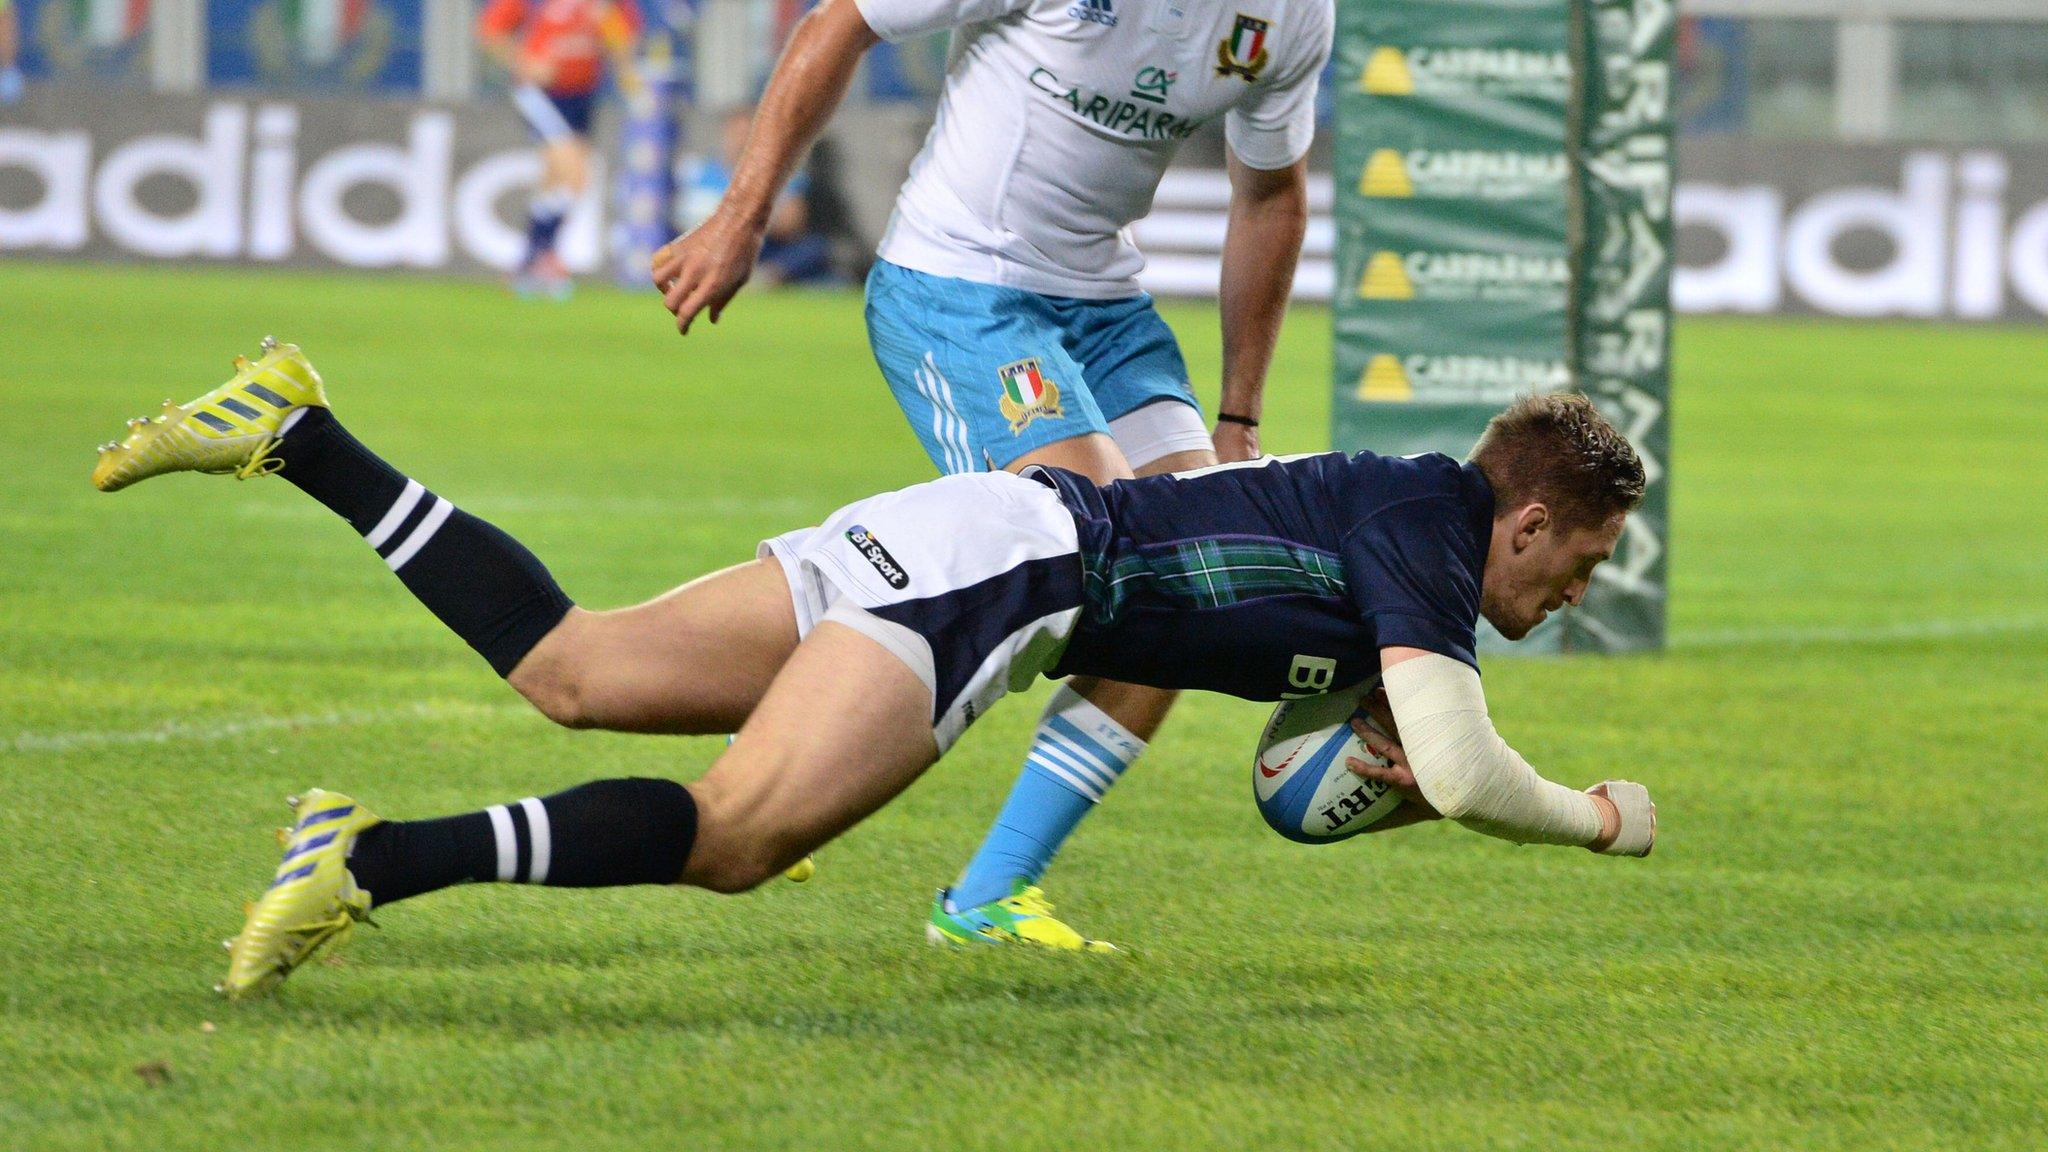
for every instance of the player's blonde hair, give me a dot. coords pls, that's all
(1559, 451)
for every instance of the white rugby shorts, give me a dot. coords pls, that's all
(973, 580)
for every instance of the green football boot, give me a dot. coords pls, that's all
(228, 431)
(312, 900)
(1023, 917)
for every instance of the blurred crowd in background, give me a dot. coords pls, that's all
(1945, 70)
(1931, 106)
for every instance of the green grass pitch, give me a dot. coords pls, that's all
(1838, 943)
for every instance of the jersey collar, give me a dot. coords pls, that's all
(1479, 508)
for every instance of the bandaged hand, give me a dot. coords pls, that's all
(1635, 830)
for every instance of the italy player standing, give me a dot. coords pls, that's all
(1005, 311)
(556, 50)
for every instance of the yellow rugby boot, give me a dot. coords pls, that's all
(229, 430)
(312, 901)
(1023, 917)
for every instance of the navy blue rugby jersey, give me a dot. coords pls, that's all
(1277, 578)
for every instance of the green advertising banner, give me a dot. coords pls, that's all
(1469, 140)
(1621, 315)
(1452, 287)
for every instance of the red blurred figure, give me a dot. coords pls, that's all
(556, 51)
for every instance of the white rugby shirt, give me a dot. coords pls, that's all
(1059, 117)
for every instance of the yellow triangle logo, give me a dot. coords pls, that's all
(1386, 175)
(1386, 279)
(1386, 73)
(1385, 380)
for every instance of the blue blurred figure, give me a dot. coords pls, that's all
(11, 83)
(791, 252)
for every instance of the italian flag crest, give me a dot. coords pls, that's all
(1027, 394)
(1244, 52)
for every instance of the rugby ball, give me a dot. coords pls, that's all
(1299, 779)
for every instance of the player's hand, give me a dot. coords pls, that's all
(1628, 820)
(1235, 442)
(1382, 739)
(1381, 712)
(704, 270)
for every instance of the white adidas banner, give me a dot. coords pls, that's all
(337, 183)
(1846, 230)
(1879, 231)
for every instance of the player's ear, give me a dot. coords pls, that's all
(1532, 521)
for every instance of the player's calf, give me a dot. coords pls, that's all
(747, 835)
(845, 728)
(695, 661)
(554, 676)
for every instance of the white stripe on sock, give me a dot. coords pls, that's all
(1066, 775)
(537, 833)
(1053, 747)
(400, 509)
(436, 516)
(541, 113)
(1066, 764)
(297, 415)
(508, 844)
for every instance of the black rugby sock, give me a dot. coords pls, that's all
(603, 834)
(484, 585)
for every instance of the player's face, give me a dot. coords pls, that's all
(1534, 567)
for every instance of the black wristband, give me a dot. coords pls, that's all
(1233, 418)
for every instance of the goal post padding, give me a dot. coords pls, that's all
(1504, 177)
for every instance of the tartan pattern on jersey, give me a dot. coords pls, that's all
(1207, 572)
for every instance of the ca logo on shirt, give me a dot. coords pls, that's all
(1153, 84)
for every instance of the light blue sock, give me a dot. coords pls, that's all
(1078, 753)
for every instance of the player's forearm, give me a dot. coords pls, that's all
(1468, 773)
(808, 84)
(1268, 217)
(1410, 812)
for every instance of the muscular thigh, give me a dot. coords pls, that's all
(845, 727)
(695, 660)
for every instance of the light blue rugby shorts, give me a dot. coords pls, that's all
(986, 374)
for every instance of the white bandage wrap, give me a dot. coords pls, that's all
(1638, 819)
(1466, 771)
